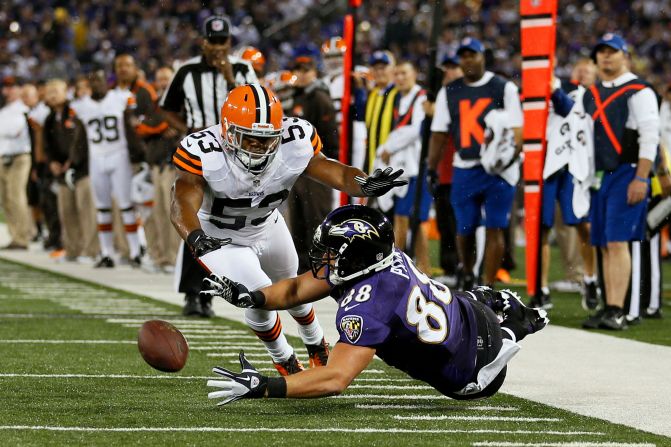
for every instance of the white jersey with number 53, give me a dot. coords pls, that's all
(238, 204)
(104, 121)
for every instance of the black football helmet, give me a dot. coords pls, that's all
(353, 241)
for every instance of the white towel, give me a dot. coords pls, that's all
(498, 148)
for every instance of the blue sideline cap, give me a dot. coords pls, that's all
(380, 57)
(614, 41)
(471, 44)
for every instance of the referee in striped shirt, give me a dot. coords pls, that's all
(192, 102)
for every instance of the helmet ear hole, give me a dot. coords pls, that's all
(362, 239)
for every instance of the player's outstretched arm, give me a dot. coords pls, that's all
(351, 180)
(281, 295)
(345, 363)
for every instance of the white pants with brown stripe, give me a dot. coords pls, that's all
(111, 175)
(271, 258)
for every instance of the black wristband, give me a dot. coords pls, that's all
(193, 236)
(259, 298)
(277, 388)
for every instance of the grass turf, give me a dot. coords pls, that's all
(47, 323)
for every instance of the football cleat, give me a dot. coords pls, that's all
(105, 262)
(206, 307)
(541, 300)
(318, 354)
(613, 319)
(290, 366)
(192, 307)
(590, 296)
(593, 321)
(525, 320)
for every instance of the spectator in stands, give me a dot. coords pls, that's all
(15, 165)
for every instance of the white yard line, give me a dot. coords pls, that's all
(289, 430)
(560, 444)
(391, 387)
(77, 342)
(431, 407)
(474, 418)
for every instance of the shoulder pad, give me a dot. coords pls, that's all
(299, 130)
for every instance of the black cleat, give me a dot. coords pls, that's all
(542, 300)
(594, 321)
(591, 296)
(613, 319)
(105, 263)
(206, 306)
(653, 314)
(135, 262)
(522, 320)
(192, 307)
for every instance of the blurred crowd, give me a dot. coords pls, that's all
(44, 39)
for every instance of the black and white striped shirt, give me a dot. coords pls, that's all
(200, 90)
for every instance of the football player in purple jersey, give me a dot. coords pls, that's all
(457, 342)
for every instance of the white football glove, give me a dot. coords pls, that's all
(248, 384)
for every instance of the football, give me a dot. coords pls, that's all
(162, 346)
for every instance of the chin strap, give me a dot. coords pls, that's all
(381, 265)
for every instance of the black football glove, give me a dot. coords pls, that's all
(380, 182)
(233, 292)
(202, 244)
(247, 384)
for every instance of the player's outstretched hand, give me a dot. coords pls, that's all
(380, 182)
(202, 244)
(233, 292)
(247, 384)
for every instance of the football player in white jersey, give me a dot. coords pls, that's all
(104, 114)
(230, 180)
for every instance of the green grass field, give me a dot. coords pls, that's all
(71, 374)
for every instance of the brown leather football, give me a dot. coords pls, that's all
(162, 346)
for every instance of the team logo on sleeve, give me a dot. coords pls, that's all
(352, 326)
(353, 228)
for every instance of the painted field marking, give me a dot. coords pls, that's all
(222, 337)
(65, 342)
(150, 317)
(560, 444)
(445, 417)
(230, 348)
(291, 430)
(171, 376)
(391, 387)
(431, 407)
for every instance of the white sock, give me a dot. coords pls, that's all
(130, 226)
(106, 239)
(268, 327)
(309, 328)
(589, 279)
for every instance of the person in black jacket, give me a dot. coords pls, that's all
(66, 151)
(309, 202)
